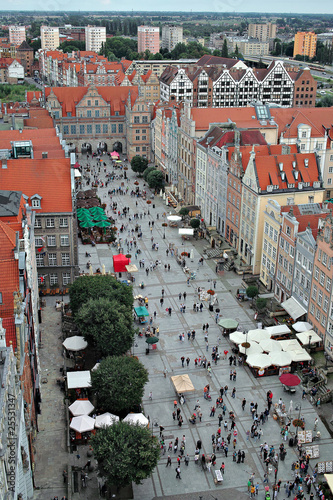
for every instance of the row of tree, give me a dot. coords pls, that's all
(102, 309)
(151, 175)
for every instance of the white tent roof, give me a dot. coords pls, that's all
(277, 330)
(300, 355)
(302, 326)
(83, 423)
(280, 358)
(105, 420)
(77, 173)
(290, 345)
(186, 231)
(259, 360)
(136, 418)
(175, 218)
(293, 308)
(78, 380)
(237, 337)
(304, 337)
(270, 345)
(81, 407)
(75, 343)
(257, 335)
(253, 349)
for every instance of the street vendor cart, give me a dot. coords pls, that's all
(141, 314)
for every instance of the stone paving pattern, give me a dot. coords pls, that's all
(50, 445)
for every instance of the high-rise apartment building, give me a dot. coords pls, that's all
(148, 39)
(49, 37)
(171, 35)
(16, 34)
(305, 44)
(95, 37)
(262, 31)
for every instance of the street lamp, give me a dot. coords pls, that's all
(310, 338)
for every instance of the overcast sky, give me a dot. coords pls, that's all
(296, 6)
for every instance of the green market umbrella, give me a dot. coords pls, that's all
(86, 223)
(85, 217)
(228, 323)
(80, 211)
(96, 210)
(100, 217)
(102, 223)
(152, 340)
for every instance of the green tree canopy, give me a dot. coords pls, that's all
(107, 325)
(155, 179)
(147, 172)
(86, 287)
(120, 47)
(225, 48)
(139, 164)
(72, 45)
(195, 223)
(119, 383)
(252, 291)
(125, 453)
(261, 304)
(184, 211)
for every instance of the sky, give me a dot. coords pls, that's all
(296, 6)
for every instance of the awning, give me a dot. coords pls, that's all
(293, 308)
(186, 231)
(141, 311)
(309, 337)
(277, 330)
(78, 380)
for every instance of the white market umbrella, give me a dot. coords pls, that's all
(192, 255)
(174, 218)
(269, 345)
(166, 202)
(161, 192)
(83, 423)
(257, 335)
(136, 418)
(75, 343)
(81, 407)
(280, 358)
(91, 270)
(237, 337)
(103, 269)
(164, 195)
(253, 349)
(259, 360)
(290, 407)
(105, 420)
(302, 326)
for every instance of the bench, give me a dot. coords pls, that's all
(218, 476)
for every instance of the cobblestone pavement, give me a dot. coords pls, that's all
(50, 444)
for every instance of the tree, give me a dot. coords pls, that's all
(106, 325)
(261, 304)
(195, 223)
(139, 164)
(184, 211)
(87, 287)
(325, 102)
(252, 291)
(119, 383)
(147, 172)
(155, 179)
(125, 453)
(225, 48)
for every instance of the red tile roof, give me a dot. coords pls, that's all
(203, 117)
(40, 176)
(32, 94)
(288, 120)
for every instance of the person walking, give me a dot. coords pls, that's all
(243, 404)
(182, 359)
(168, 461)
(188, 361)
(233, 394)
(178, 472)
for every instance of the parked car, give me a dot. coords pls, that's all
(241, 294)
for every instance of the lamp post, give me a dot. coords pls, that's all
(310, 338)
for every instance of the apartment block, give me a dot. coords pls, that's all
(95, 37)
(262, 31)
(49, 37)
(148, 39)
(305, 44)
(17, 35)
(171, 36)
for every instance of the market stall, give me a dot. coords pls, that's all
(182, 383)
(120, 261)
(141, 314)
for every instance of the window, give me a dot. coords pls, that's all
(73, 129)
(63, 222)
(89, 102)
(66, 130)
(96, 113)
(38, 222)
(137, 119)
(53, 279)
(316, 275)
(98, 128)
(322, 278)
(66, 278)
(314, 292)
(312, 308)
(325, 306)
(35, 203)
(52, 259)
(89, 113)
(39, 242)
(328, 284)
(51, 241)
(50, 222)
(320, 297)
(137, 149)
(39, 260)
(64, 240)
(145, 119)
(65, 259)
(113, 128)
(89, 129)
(105, 128)
(82, 129)
(120, 128)
(310, 199)
(137, 137)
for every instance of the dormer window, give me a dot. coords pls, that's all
(36, 201)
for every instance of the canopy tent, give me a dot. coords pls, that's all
(174, 218)
(277, 330)
(290, 345)
(83, 423)
(237, 337)
(269, 345)
(120, 261)
(75, 343)
(141, 311)
(114, 153)
(186, 231)
(78, 380)
(136, 418)
(131, 268)
(228, 323)
(105, 420)
(280, 358)
(257, 335)
(77, 173)
(329, 479)
(81, 407)
(293, 308)
(182, 383)
(259, 361)
(309, 337)
(302, 326)
(300, 355)
(253, 348)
